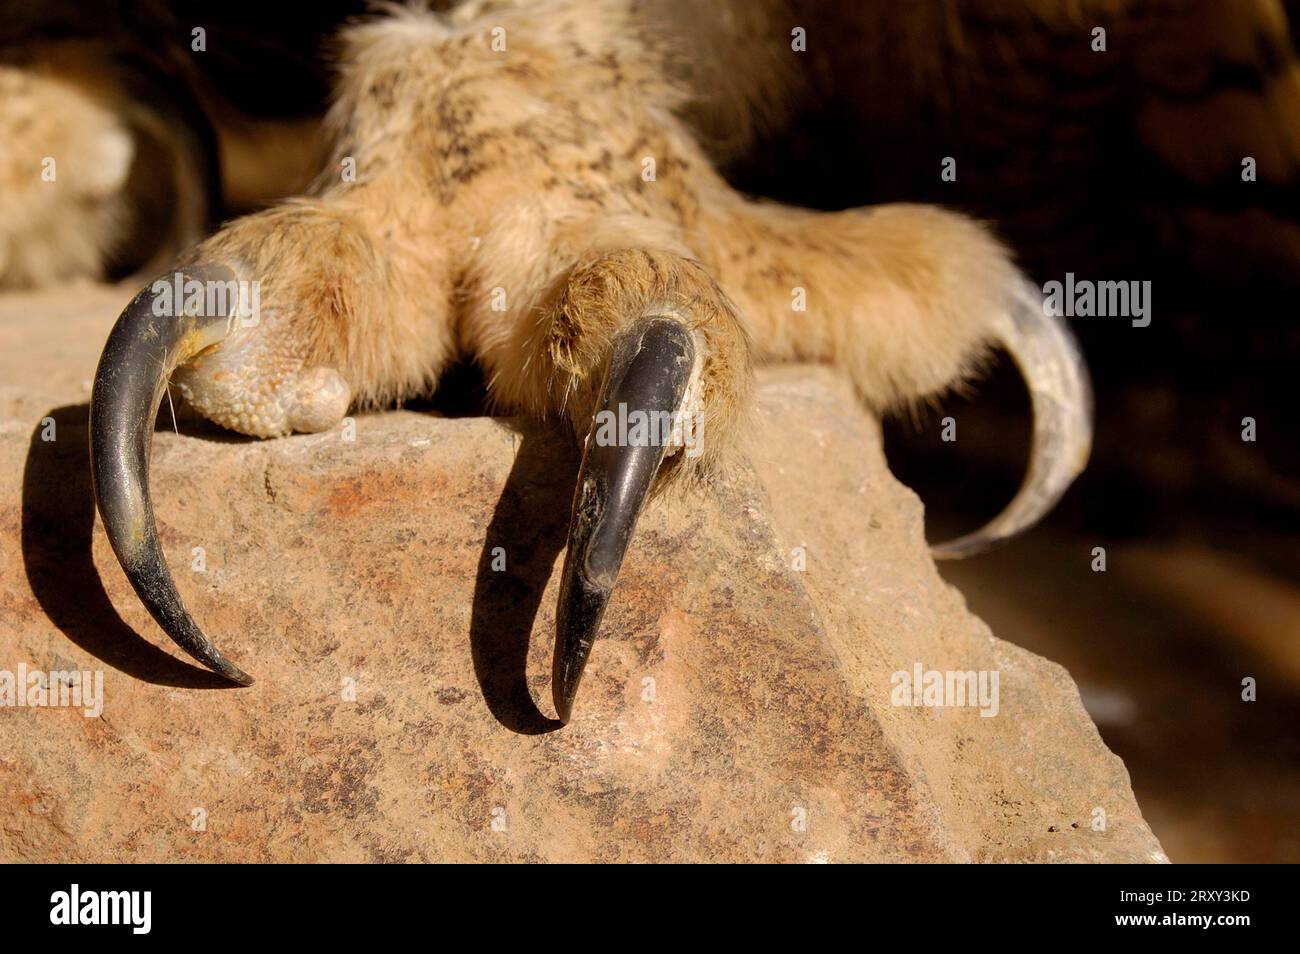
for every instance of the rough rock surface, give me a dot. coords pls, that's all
(736, 708)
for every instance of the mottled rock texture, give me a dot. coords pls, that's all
(736, 708)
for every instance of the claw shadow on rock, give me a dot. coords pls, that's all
(58, 522)
(530, 525)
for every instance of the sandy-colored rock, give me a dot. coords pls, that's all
(736, 708)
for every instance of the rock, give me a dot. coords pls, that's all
(736, 708)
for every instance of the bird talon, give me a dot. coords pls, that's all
(148, 342)
(649, 372)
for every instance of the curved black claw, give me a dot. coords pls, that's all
(648, 373)
(143, 349)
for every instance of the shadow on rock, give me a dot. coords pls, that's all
(58, 524)
(529, 527)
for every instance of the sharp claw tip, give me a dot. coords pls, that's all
(235, 676)
(563, 704)
(229, 671)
